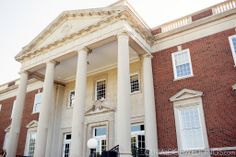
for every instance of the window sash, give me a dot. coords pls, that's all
(66, 145)
(37, 102)
(100, 91)
(232, 41)
(101, 138)
(31, 143)
(182, 65)
(191, 128)
(134, 83)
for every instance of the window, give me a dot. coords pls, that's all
(134, 82)
(137, 136)
(71, 100)
(191, 129)
(13, 108)
(37, 102)
(190, 122)
(31, 143)
(100, 92)
(100, 134)
(232, 41)
(182, 65)
(0, 107)
(66, 145)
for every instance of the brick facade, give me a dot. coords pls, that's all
(27, 117)
(214, 74)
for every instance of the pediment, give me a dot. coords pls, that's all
(186, 94)
(66, 24)
(99, 106)
(234, 86)
(32, 124)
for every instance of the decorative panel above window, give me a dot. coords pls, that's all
(134, 83)
(232, 41)
(182, 65)
(37, 102)
(100, 91)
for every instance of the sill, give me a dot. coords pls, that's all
(182, 78)
(135, 92)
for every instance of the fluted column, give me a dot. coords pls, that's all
(42, 131)
(79, 105)
(149, 106)
(17, 116)
(123, 97)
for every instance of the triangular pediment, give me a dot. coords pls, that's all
(186, 94)
(234, 86)
(99, 106)
(32, 124)
(68, 23)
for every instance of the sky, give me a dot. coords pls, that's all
(22, 20)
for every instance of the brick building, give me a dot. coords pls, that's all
(104, 74)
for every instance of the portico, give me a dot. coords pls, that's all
(111, 39)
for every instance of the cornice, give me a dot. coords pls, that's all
(121, 15)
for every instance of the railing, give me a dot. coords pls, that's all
(114, 152)
(217, 9)
(223, 7)
(176, 24)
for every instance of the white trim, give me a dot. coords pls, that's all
(232, 48)
(0, 107)
(186, 94)
(174, 64)
(99, 80)
(13, 108)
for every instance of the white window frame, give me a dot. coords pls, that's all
(232, 48)
(6, 138)
(174, 64)
(68, 104)
(137, 133)
(138, 83)
(96, 88)
(103, 137)
(34, 107)
(189, 98)
(31, 129)
(66, 142)
(13, 108)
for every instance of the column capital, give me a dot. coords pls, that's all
(147, 56)
(124, 33)
(84, 49)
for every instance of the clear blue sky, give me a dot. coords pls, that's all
(22, 20)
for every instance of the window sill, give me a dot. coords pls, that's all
(182, 78)
(136, 92)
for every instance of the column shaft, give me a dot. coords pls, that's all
(42, 131)
(149, 105)
(79, 106)
(123, 97)
(17, 116)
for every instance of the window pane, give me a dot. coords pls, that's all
(191, 131)
(100, 131)
(32, 143)
(234, 44)
(71, 98)
(37, 102)
(182, 64)
(101, 89)
(135, 128)
(134, 82)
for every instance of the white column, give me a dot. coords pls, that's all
(123, 97)
(42, 131)
(79, 105)
(17, 116)
(149, 106)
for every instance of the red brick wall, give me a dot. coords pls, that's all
(214, 74)
(27, 117)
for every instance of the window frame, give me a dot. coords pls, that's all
(101, 137)
(138, 83)
(34, 106)
(100, 80)
(29, 132)
(174, 64)
(180, 102)
(68, 103)
(233, 51)
(65, 141)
